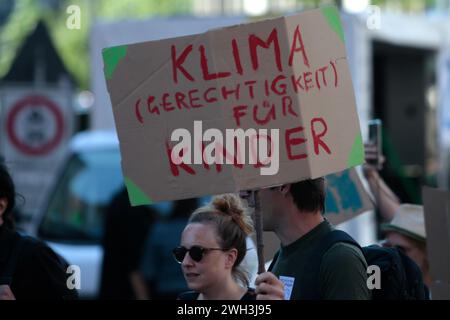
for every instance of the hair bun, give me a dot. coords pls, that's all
(230, 204)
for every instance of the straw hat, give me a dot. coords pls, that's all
(409, 221)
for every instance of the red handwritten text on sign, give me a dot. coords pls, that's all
(260, 100)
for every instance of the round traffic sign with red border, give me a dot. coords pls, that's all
(35, 125)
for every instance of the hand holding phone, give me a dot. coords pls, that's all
(373, 147)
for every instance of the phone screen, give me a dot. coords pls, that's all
(375, 140)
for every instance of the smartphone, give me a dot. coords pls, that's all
(375, 140)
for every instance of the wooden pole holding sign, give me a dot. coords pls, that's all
(257, 218)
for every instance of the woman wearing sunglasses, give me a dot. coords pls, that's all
(213, 245)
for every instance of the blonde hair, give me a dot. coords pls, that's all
(232, 223)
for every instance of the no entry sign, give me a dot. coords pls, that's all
(35, 125)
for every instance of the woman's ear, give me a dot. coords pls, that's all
(3, 206)
(231, 258)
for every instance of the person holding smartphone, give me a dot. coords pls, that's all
(386, 200)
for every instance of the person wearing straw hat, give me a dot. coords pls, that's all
(407, 232)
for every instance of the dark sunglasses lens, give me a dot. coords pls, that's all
(179, 253)
(196, 253)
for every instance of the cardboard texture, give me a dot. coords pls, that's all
(289, 74)
(437, 224)
(346, 198)
(440, 290)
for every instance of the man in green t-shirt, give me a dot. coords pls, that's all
(294, 213)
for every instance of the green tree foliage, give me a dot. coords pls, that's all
(73, 45)
(21, 21)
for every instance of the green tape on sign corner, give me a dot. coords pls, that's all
(331, 14)
(356, 156)
(111, 58)
(137, 196)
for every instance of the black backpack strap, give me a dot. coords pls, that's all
(310, 280)
(334, 237)
(10, 267)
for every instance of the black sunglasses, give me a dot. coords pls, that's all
(196, 253)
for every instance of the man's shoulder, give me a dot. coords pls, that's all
(342, 253)
(343, 273)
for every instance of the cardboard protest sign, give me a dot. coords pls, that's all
(235, 108)
(437, 225)
(346, 197)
